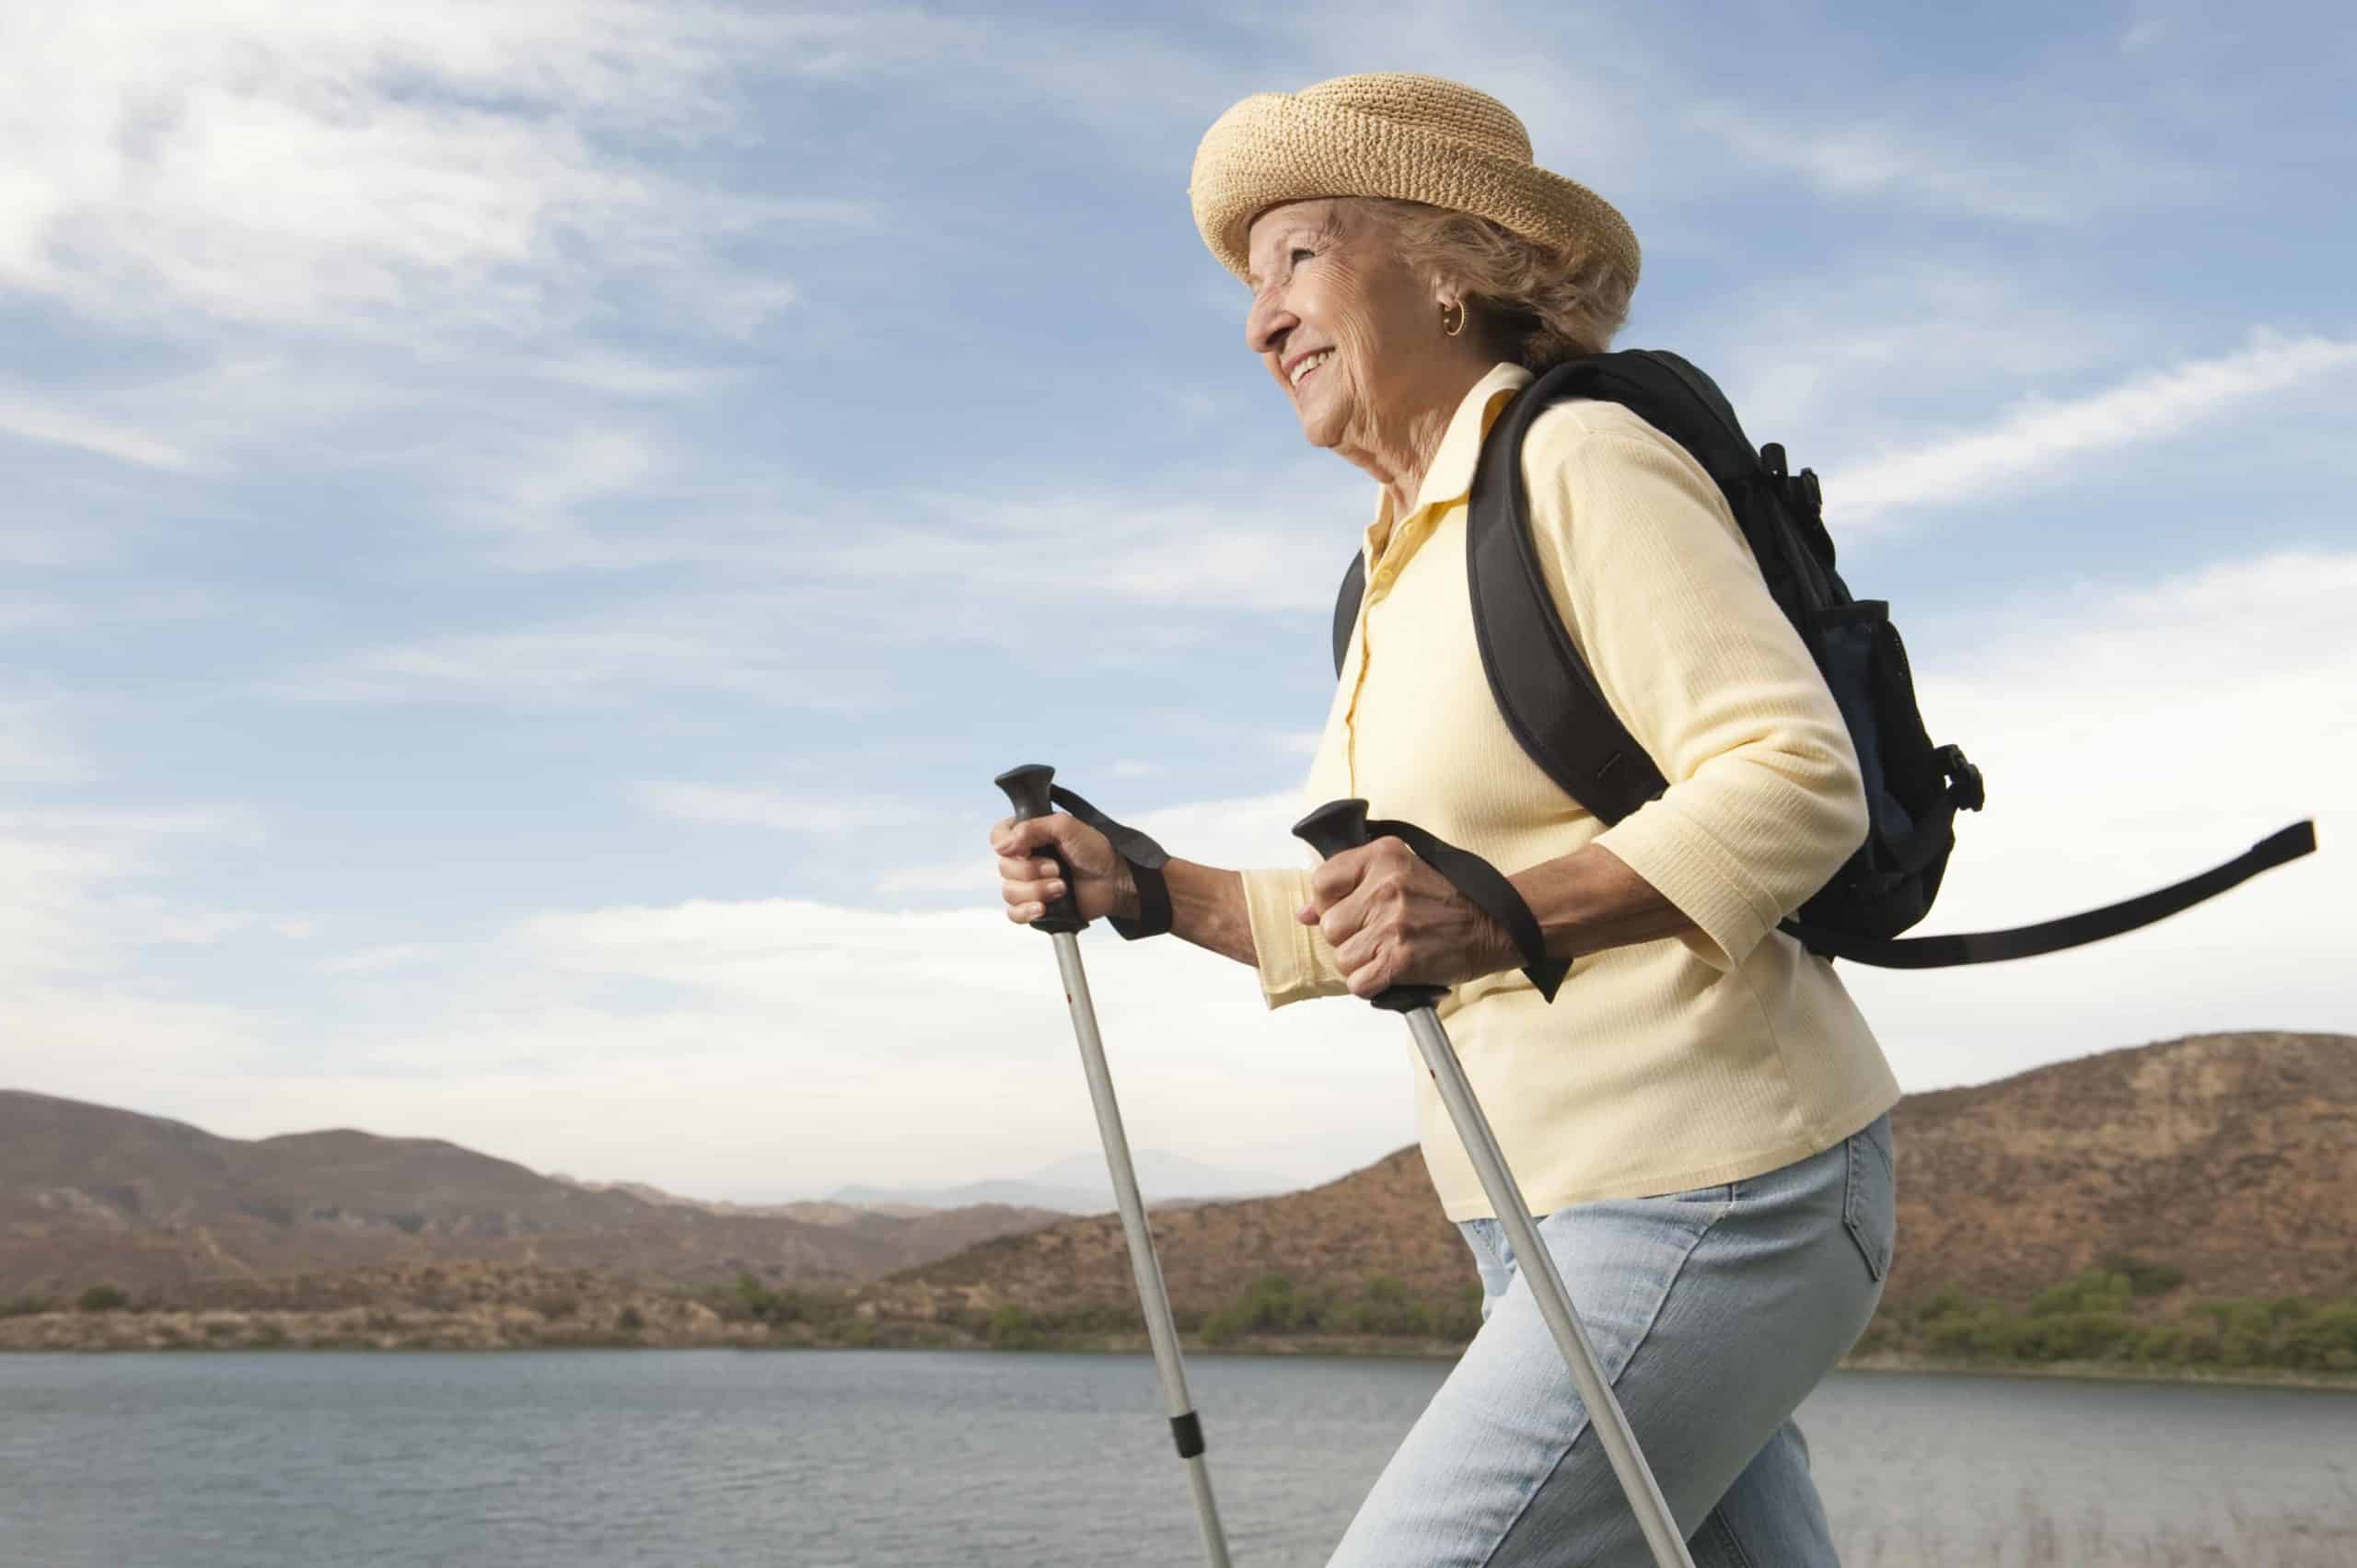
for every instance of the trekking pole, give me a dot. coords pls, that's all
(1342, 824)
(1027, 787)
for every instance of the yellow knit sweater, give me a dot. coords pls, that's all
(1664, 1065)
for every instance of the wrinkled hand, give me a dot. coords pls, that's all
(1392, 920)
(1028, 879)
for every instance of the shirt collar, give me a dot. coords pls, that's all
(1450, 476)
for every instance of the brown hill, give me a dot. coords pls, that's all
(1382, 1220)
(91, 1193)
(2230, 1156)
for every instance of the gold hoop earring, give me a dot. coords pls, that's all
(1448, 328)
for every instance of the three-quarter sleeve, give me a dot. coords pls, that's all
(1295, 962)
(1664, 602)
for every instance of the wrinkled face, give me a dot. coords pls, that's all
(1339, 320)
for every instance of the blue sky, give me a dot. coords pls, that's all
(530, 527)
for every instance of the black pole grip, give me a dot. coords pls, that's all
(1026, 790)
(1334, 827)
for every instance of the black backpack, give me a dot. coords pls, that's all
(1913, 788)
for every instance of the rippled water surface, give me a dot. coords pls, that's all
(829, 1460)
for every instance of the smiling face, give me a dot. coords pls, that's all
(1345, 327)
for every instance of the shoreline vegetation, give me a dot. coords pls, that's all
(2119, 1320)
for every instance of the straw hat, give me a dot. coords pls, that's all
(1416, 138)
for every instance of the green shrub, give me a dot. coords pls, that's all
(1224, 1327)
(2093, 1291)
(630, 1320)
(1998, 1335)
(26, 1307)
(2238, 1348)
(2239, 1316)
(2144, 1277)
(1270, 1305)
(2077, 1336)
(102, 1298)
(1385, 1307)
(1011, 1329)
(2326, 1340)
(1945, 1302)
(762, 1305)
(1462, 1319)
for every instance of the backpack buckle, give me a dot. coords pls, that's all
(1963, 779)
(1812, 494)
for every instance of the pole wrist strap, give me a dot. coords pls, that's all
(1487, 887)
(1146, 859)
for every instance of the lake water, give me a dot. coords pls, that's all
(831, 1459)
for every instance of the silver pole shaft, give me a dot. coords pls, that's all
(1152, 1294)
(1547, 1288)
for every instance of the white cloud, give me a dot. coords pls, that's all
(1277, 542)
(2042, 434)
(76, 912)
(955, 879)
(2063, 172)
(855, 1043)
(623, 375)
(31, 753)
(1828, 359)
(380, 959)
(351, 168)
(1232, 833)
(721, 806)
(34, 419)
(583, 663)
(582, 467)
(52, 613)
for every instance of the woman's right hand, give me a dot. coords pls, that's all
(1101, 883)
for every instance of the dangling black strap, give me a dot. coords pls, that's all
(1146, 860)
(1490, 893)
(2071, 931)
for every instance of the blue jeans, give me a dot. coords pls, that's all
(1713, 1314)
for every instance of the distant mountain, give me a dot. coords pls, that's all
(91, 1193)
(821, 1212)
(1078, 1184)
(2232, 1158)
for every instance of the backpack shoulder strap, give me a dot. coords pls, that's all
(1346, 608)
(1546, 692)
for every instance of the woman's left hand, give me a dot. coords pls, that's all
(1392, 920)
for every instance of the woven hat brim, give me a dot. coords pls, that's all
(1276, 148)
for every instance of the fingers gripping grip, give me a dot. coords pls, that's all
(1026, 790)
(1342, 824)
(1334, 827)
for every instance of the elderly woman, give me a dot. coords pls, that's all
(1699, 1116)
